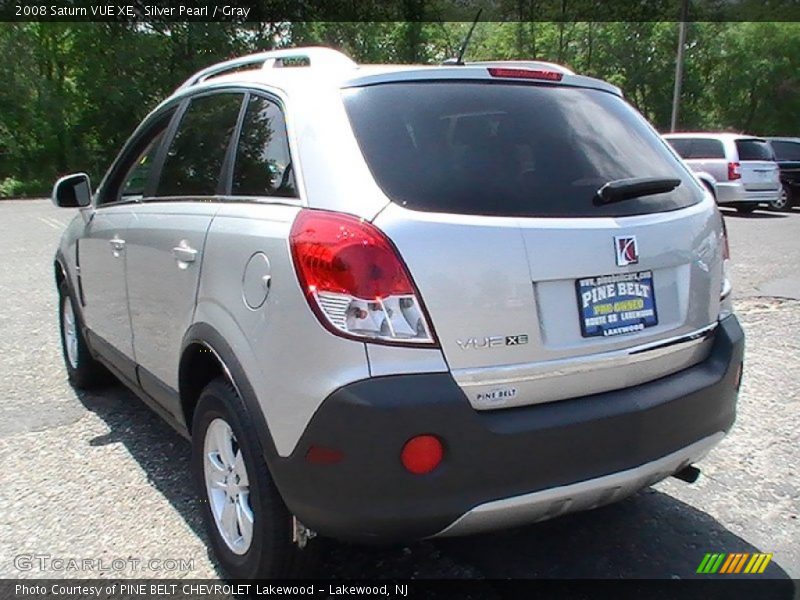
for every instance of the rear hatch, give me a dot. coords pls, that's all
(757, 163)
(537, 293)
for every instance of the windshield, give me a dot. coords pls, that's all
(511, 150)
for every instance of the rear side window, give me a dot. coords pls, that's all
(508, 149)
(197, 152)
(683, 146)
(754, 150)
(706, 148)
(263, 164)
(786, 150)
(700, 148)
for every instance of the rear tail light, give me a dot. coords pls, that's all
(355, 280)
(734, 171)
(525, 74)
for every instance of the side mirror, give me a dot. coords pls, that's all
(72, 191)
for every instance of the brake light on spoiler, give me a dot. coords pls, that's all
(509, 73)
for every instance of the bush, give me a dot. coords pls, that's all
(11, 187)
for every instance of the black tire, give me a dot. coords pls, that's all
(86, 373)
(271, 553)
(746, 209)
(785, 202)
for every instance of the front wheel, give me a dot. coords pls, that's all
(83, 371)
(250, 527)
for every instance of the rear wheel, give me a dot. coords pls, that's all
(784, 201)
(746, 208)
(251, 529)
(83, 371)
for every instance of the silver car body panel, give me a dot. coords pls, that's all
(103, 286)
(162, 287)
(292, 362)
(534, 296)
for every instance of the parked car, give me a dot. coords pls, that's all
(787, 153)
(388, 303)
(742, 166)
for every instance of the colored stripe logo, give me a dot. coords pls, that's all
(735, 562)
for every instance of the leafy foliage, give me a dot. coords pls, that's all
(73, 92)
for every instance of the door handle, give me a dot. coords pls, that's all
(184, 253)
(117, 246)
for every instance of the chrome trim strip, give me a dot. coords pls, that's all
(506, 374)
(584, 495)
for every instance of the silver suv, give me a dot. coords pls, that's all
(742, 167)
(396, 302)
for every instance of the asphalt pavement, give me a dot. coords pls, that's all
(98, 476)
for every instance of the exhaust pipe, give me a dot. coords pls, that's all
(689, 474)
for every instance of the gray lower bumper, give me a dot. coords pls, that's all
(584, 495)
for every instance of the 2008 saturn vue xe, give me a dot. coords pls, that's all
(389, 303)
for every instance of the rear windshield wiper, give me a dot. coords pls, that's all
(624, 189)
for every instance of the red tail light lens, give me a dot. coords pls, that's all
(355, 281)
(525, 74)
(734, 171)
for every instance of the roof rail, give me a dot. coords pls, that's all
(315, 55)
(523, 64)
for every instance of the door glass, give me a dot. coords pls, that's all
(197, 152)
(133, 186)
(263, 165)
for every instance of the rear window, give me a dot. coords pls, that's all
(511, 150)
(754, 150)
(786, 150)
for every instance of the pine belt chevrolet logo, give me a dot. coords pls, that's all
(727, 563)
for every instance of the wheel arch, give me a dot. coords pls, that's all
(708, 181)
(206, 355)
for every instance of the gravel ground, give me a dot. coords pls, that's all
(99, 476)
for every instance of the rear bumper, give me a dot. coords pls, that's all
(735, 193)
(501, 467)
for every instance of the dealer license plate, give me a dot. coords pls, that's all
(616, 304)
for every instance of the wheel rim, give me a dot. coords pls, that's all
(70, 333)
(227, 486)
(782, 199)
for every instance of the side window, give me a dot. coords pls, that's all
(133, 185)
(131, 171)
(786, 150)
(682, 146)
(263, 165)
(707, 148)
(196, 154)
